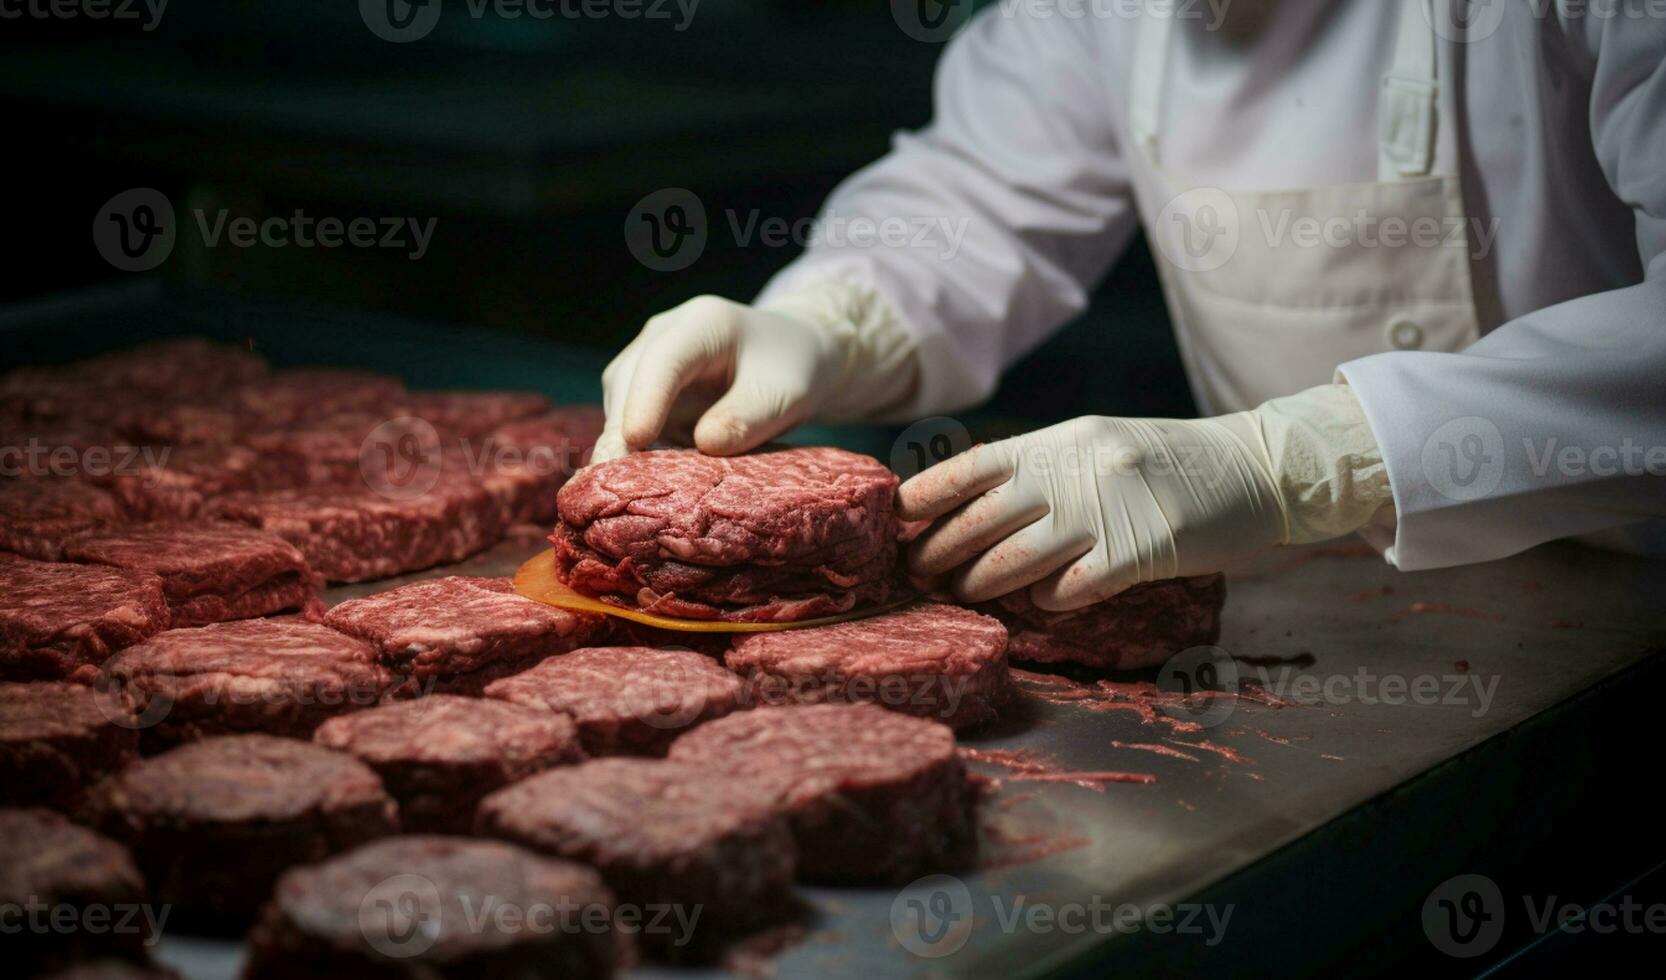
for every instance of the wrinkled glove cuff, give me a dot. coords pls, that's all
(1328, 467)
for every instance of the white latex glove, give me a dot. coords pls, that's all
(732, 377)
(1085, 509)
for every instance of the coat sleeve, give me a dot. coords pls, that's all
(1003, 212)
(1554, 424)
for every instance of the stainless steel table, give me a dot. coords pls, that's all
(1420, 701)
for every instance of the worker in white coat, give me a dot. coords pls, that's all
(1415, 256)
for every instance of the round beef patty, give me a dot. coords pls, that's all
(873, 795)
(61, 621)
(626, 700)
(69, 892)
(213, 823)
(440, 754)
(432, 907)
(928, 659)
(780, 535)
(672, 839)
(276, 677)
(57, 739)
(1139, 628)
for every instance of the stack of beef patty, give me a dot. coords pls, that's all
(777, 536)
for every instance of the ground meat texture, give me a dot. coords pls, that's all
(210, 572)
(412, 906)
(664, 835)
(626, 700)
(873, 795)
(464, 414)
(929, 659)
(38, 512)
(779, 535)
(112, 385)
(206, 421)
(440, 754)
(1141, 627)
(176, 367)
(458, 625)
(61, 621)
(214, 823)
(175, 482)
(53, 870)
(312, 393)
(57, 739)
(529, 460)
(277, 677)
(356, 534)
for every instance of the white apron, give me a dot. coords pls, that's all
(1271, 291)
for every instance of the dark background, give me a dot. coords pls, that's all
(527, 139)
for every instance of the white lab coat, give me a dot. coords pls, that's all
(1562, 154)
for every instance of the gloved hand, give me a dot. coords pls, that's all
(733, 377)
(1083, 510)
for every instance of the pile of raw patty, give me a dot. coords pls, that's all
(161, 724)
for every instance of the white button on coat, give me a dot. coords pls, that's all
(1405, 335)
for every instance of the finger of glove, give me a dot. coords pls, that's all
(1083, 582)
(954, 481)
(985, 521)
(695, 344)
(768, 397)
(616, 382)
(1027, 556)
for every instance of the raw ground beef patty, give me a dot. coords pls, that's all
(214, 823)
(61, 621)
(928, 659)
(444, 628)
(56, 739)
(411, 907)
(662, 834)
(277, 677)
(781, 535)
(626, 700)
(1141, 627)
(873, 795)
(38, 512)
(177, 485)
(440, 754)
(47, 861)
(525, 463)
(210, 572)
(357, 534)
